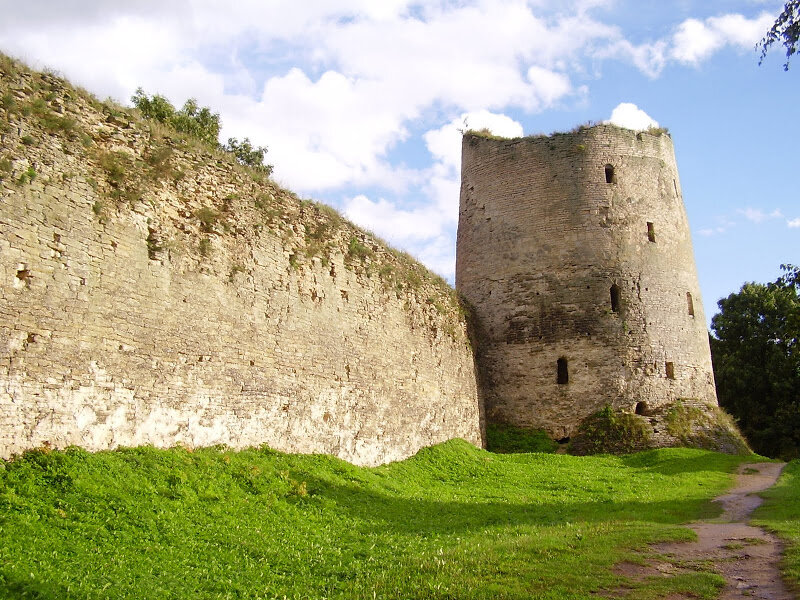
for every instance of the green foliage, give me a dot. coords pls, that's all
(235, 270)
(202, 124)
(116, 165)
(680, 419)
(658, 131)
(507, 439)
(757, 362)
(785, 30)
(121, 175)
(707, 427)
(27, 140)
(159, 161)
(8, 102)
(27, 176)
(781, 514)
(198, 122)
(204, 247)
(610, 431)
(6, 167)
(155, 107)
(451, 522)
(208, 218)
(483, 133)
(191, 119)
(49, 120)
(357, 250)
(248, 155)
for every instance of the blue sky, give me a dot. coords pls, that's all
(360, 101)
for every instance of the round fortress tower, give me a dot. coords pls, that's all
(574, 252)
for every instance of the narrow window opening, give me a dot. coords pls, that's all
(675, 184)
(651, 232)
(670, 367)
(610, 174)
(615, 298)
(562, 371)
(690, 303)
(641, 407)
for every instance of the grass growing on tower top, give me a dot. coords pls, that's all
(451, 522)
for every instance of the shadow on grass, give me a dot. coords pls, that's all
(32, 589)
(652, 461)
(418, 516)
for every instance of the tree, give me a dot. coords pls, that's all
(248, 155)
(757, 362)
(202, 124)
(786, 30)
(191, 119)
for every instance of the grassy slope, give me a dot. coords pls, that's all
(781, 514)
(451, 522)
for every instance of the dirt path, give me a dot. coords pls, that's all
(746, 556)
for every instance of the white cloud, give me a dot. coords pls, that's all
(793, 222)
(695, 40)
(630, 116)
(723, 224)
(649, 58)
(549, 86)
(428, 230)
(709, 231)
(330, 87)
(424, 231)
(334, 88)
(756, 215)
(396, 224)
(445, 143)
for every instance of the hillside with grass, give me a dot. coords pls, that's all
(451, 522)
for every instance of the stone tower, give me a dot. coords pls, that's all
(574, 252)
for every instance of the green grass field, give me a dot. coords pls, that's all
(781, 514)
(451, 522)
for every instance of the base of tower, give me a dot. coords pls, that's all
(685, 423)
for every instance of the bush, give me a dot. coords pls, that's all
(201, 124)
(248, 155)
(610, 432)
(192, 120)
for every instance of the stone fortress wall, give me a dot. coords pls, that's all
(575, 254)
(154, 292)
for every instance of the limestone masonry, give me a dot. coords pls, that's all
(154, 293)
(574, 252)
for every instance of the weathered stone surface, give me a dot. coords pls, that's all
(576, 248)
(152, 292)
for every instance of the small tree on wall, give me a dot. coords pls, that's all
(202, 124)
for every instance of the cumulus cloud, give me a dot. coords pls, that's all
(298, 79)
(695, 40)
(427, 230)
(444, 143)
(753, 215)
(756, 215)
(630, 116)
(334, 88)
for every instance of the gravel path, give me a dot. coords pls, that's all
(746, 556)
